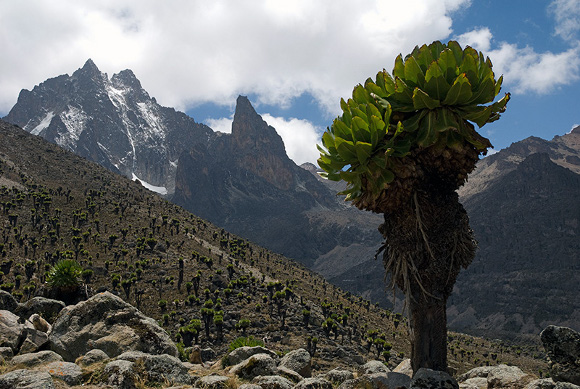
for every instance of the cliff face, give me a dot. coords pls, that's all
(245, 183)
(113, 122)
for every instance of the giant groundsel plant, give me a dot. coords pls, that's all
(404, 144)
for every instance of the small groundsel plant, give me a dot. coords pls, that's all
(65, 274)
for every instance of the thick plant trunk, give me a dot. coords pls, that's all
(429, 333)
(427, 241)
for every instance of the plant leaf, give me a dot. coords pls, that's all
(460, 91)
(422, 100)
(414, 76)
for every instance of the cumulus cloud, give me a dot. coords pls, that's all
(479, 39)
(529, 71)
(190, 52)
(221, 124)
(567, 16)
(300, 137)
(524, 69)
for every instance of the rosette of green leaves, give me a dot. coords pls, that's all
(64, 274)
(432, 99)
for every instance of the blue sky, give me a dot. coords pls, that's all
(295, 59)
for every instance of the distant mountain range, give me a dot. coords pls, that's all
(522, 201)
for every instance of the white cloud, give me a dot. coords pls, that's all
(528, 71)
(567, 16)
(189, 52)
(479, 39)
(221, 125)
(300, 137)
(524, 69)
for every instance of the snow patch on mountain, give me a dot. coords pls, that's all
(157, 189)
(43, 124)
(75, 121)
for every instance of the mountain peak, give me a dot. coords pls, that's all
(127, 77)
(251, 132)
(90, 67)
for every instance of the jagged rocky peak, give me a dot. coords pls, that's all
(251, 132)
(90, 73)
(127, 81)
(113, 122)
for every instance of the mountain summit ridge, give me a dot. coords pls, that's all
(111, 121)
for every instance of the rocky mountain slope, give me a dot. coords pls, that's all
(113, 122)
(242, 181)
(524, 209)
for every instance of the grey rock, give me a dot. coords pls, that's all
(432, 379)
(108, 323)
(348, 355)
(45, 307)
(69, 372)
(212, 382)
(474, 383)
(256, 365)
(158, 368)
(35, 359)
(372, 367)
(290, 374)
(120, 374)
(562, 345)
(249, 386)
(207, 354)
(92, 356)
(299, 361)
(26, 379)
(378, 381)
(243, 353)
(404, 367)
(272, 382)
(482, 371)
(7, 301)
(503, 376)
(546, 383)
(34, 340)
(348, 384)
(566, 385)
(11, 330)
(314, 383)
(6, 352)
(337, 375)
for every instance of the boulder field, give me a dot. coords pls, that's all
(104, 342)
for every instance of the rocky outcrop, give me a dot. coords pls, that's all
(298, 361)
(19, 334)
(108, 323)
(563, 347)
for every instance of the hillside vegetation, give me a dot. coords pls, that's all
(200, 282)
